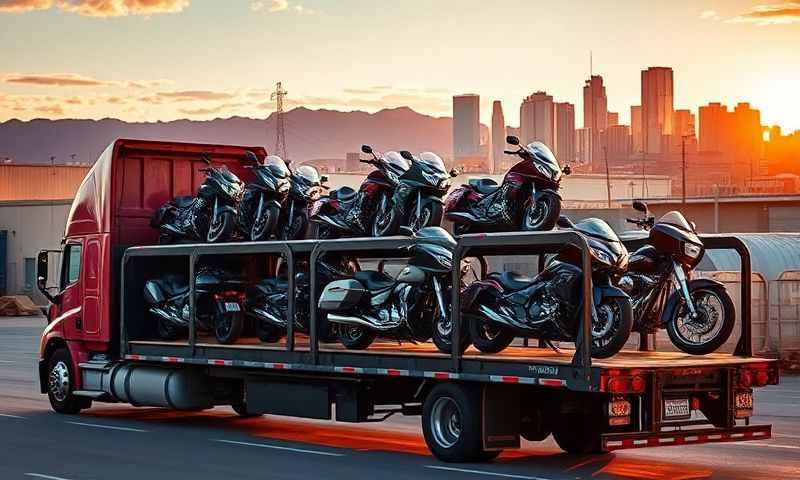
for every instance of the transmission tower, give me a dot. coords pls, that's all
(280, 132)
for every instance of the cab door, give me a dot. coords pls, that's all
(71, 296)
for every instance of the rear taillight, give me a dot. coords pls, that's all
(758, 375)
(619, 411)
(743, 401)
(622, 381)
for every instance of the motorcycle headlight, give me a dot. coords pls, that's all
(283, 186)
(603, 256)
(691, 250)
(545, 170)
(445, 261)
(432, 178)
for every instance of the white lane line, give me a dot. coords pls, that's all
(8, 415)
(754, 444)
(7, 361)
(109, 427)
(785, 435)
(46, 477)
(484, 472)
(277, 447)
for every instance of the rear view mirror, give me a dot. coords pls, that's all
(252, 157)
(566, 170)
(564, 222)
(640, 206)
(407, 155)
(512, 140)
(454, 172)
(366, 149)
(42, 265)
(323, 179)
(205, 159)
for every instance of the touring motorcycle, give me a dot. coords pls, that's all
(210, 217)
(347, 213)
(305, 188)
(698, 313)
(548, 306)
(526, 200)
(263, 197)
(219, 301)
(413, 306)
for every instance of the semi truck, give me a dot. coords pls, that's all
(98, 347)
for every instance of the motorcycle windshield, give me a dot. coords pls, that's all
(598, 229)
(676, 219)
(432, 162)
(228, 175)
(544, 157)
(307, 175)
(435, 236)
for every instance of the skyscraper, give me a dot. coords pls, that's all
(536, 119)
(496, 161)
(613, 119)
(637, 141)
(466, 125)
(565, 132)
(595, 114)
(657, 94)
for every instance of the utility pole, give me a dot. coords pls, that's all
(280, 129)
(608, 176)
(683, 171)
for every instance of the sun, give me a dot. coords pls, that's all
(778, 98)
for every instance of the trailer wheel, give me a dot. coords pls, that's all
(578, 433)
(451, 423)
(60, 384)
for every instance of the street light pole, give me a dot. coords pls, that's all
(683, 171)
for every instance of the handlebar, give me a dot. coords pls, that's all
(632, 220)
(366, 161)
(509, 152)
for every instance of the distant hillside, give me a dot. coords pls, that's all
(310, 134)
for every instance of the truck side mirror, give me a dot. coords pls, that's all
(41, 275)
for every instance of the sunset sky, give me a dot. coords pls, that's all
(166, 59)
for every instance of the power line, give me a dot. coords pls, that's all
(280, 133)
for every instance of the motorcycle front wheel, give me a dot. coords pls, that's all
(489, 337)
(386, 219)
(430, 215)
(263, 223)
(612, 327)
(221, 228)
(542, 214)
(443, 333)
(294, 229)
(268, 333)
(716, 317)
(355, 337)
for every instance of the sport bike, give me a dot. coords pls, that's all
(548, 306)
(261, 204)
(210, 216)
(527, 199)
(413, 306)
(305, 188)
(698, 313)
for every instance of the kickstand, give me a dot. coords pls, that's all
(555, 348)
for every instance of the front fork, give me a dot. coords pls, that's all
(682, 285)
(437, 287)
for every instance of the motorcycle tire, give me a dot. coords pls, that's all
(430, 216)
(541, 215)
(268, 333)
(228, 326)
(166, 331)
(385, 223)
(262, 228)
(222, 229)
(355, 337)
(294, 229)
(728, 318)
(322, 231)
(443, 337)
(489, 338)
(618, 332)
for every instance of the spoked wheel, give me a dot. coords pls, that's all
(220, 228)
(611, 327)
(60, 384)
(294, 229)
(354, 337)
(430, 215)
(228, 326)
(542, 214)
(712, 326)
(489, 337)
(385, 222)
(263, 223)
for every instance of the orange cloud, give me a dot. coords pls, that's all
(75, 80)
(194, 95)
(773, 14)
(97, 8)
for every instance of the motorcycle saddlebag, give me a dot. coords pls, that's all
(152, 293)
(342, 295)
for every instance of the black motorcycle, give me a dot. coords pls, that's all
(698, 313)
(211, 216)
(268, 301)
(417, 201)
(527, 199)
(220, 296)
(263, 197)
(506, 305)
(347, 213)
(413, 306)
(305, 188)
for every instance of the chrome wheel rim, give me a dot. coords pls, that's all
(215, 229)
(536, 215)
(352, 332)
(58, 381)
(709, 322)
(446, 422)
(417, 223)
(383, 218)
(259, 227)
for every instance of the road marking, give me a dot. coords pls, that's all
(485, 472)
(46, 477)
(109, 427)
(755, 444)
(277, 447)
(786, 435)
(7, 361)
(8, 415)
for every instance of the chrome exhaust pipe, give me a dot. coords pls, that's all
(266, 316)
(361, 322)
(167, 316)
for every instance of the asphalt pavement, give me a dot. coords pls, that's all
(113, 441)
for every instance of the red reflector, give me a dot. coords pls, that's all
(618, 385)
(637, 384)
(745, 378)
(695, 403)
(762, 377)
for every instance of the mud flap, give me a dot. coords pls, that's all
(501, 417)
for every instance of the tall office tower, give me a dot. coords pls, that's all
(613, 119)
(582, 143)
(657, 94)
(637, 141)
(714, 119)
(497, 160)
(617, 140)
(565, 132)
(466, 125)
(595, 114)
(683, 123)
(536, 119)
(748, 136)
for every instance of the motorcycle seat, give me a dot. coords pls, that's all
(483, 186)
(272, 285)
(512, 280)
(344, 194)
(374, 280)
(172, 285)
(183, 201)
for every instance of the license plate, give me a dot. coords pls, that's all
(676, 408)
(232, 307)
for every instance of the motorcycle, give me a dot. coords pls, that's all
(211, 216)
(549, 306)
(698, 314)
(268, 301)
(220, 296)
(261, 204)
(417, 201)
(527, 199)
(346, 212)
(372, 303)
(305, 188)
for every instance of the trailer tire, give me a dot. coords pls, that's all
(60, 384)
(579, 433)
(451, 423)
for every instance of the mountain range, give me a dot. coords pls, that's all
(310, 134)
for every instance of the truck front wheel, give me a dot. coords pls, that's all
(61, 384)
(451, 423)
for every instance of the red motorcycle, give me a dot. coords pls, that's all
(527, 199)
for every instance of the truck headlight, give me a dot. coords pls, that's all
(691, 250)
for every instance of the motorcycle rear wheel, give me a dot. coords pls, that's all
(268, 333)
(488, 337)
(541, 215)
(166, 331)
(228, 326)
(221, 228)
(355, 337)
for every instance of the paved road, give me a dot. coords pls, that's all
(119, 442)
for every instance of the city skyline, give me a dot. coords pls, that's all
(162, 61)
